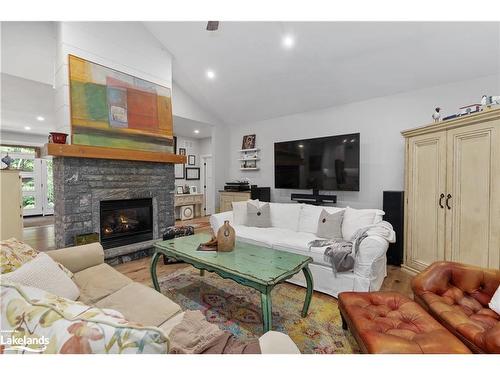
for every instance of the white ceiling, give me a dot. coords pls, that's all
(22, 100)
(332, 62)
(185, 127)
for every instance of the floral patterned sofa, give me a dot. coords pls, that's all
(100, 320)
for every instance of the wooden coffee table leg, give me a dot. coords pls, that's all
(309, 293)
(152, 270)
(267, 314)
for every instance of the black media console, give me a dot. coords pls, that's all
(315, 198)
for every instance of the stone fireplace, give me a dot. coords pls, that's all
(128, 203)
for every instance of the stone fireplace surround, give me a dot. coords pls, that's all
(81, 183)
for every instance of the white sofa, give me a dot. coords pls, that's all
(294, 225)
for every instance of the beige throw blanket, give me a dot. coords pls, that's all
(194, 335)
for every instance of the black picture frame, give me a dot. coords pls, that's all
(192, 173)
(179, 171)
(182, 151)
(191, 159)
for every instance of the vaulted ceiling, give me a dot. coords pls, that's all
(331, 63)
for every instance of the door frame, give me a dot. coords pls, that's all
(207, 198)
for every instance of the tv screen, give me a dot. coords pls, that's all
(327, 163)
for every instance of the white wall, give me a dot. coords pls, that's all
(28, 50)
(192, 146)
(379, 120)
(206, 146)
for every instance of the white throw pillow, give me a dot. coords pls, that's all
(356, 219)
(240, 211)
(43, 273)
(309, 216)
(495, 302)
(285, 215)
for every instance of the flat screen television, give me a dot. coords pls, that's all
(327, 163)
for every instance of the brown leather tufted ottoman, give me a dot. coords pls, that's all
(457, 295)
(388, 322)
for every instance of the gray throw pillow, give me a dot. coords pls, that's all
(258, 215)
(330, 225)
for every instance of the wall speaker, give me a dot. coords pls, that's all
(394, 214)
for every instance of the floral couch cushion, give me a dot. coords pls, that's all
(33, 320)
(14, 253)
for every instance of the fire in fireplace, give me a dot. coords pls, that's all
(126, 221)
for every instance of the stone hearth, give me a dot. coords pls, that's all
(81, 183)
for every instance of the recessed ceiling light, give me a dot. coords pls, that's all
(301, 145)
(40, 118)
(27, 128)
(210, 74)
(288, 41)
(196, 131)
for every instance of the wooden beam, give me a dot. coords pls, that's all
(81, 151)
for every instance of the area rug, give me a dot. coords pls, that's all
(236, 308)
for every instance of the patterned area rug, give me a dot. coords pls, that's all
(236, 308)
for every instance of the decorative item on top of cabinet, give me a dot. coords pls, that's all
(453, 192)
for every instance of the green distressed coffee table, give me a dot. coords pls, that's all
(258, 267)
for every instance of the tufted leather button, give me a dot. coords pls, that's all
(258, 213)
(323, 221)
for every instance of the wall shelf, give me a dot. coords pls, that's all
(250, 150)
(249, 159)
(93, 152)
(249, 169)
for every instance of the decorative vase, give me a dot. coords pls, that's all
(226, 237)
(58, 137)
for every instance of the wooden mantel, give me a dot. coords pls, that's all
(81, 151)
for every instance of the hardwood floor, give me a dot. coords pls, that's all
(42, 239)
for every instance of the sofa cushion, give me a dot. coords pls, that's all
(98, 282)
(309, 216)
(258, 215)
(240, 211)
(357, 219)
(43, 273)
(141, 304)
(285, 215)
(330, 225)
(14, 253)
(69, 327)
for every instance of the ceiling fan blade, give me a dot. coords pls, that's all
(212, 25)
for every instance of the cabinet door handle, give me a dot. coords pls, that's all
(448, 197)
(441, 200)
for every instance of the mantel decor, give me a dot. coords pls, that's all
(116, 110)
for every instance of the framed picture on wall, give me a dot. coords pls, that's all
(180, 190)
(191, 160)
(248, 142)
(182, 151)
(192, 173)
(179, 172)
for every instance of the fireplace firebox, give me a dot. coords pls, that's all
(126, 221)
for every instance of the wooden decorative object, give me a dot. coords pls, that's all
(94, 152)
(226, 237)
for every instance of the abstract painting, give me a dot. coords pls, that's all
(113, 109)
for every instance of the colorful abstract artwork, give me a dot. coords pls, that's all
(113, 109)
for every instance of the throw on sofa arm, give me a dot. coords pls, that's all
(78, 258)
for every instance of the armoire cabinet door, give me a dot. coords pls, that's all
(473, 180)
(426, 181)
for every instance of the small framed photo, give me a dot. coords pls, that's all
(192, 173)
(179, 172)
(179, 190)
(182, 151)
(248, 142)
(193, 190)
(191, 160)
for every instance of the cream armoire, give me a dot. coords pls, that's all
(452, 184)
